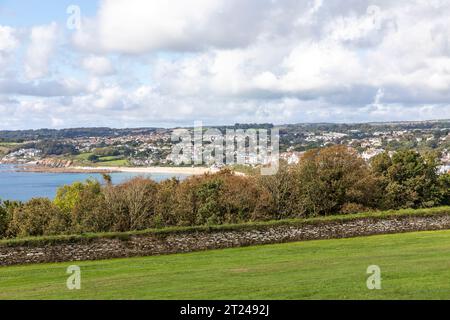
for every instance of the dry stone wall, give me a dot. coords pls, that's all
(148, 245)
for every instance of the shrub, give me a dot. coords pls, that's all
(67, 197)
(409, 180)
(280, 194)
(38, 217)
(165, 203)
(132, 204)
(6, 213)
(106, 152)
(218, 198)
(243, 199)
(4, 220)
(192, 194)
(91, 213)
(444, 184)
(93, 158)
(331, 177)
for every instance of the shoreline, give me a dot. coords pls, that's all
(108, 170)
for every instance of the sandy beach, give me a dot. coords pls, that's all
(171, 170)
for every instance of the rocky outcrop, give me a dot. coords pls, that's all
(54, 163)
(154, 244)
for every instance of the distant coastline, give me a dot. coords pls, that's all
(143, 170)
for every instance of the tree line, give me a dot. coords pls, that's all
(327, 181)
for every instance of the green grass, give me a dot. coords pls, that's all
(413, 266)
(5, 147)
(9, 144)
(111, 161)
(36, 241)
(83, 156)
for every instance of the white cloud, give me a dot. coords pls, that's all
(109, 98)
(43, 40)
(98, 66)
(8, 43)
(226, 61)
(8, 40)
(140, 26)
(145, 25)
(349, 58)
(44, 88)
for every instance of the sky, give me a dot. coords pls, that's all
(141, 63)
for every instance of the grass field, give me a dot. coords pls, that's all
(111, 161)
(413, 266)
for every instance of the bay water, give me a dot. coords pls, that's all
(23, 186)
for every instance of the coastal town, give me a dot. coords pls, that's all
(153, 147)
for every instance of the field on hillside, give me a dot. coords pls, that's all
(413, 266)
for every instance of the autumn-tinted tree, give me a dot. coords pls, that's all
(138, 197)
(219, 198)
(165, 203)
(331, 179)
(38, 217)
(91, 213)
(282, 193)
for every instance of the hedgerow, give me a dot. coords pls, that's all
(328, 182)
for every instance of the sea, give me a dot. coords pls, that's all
(23, 186)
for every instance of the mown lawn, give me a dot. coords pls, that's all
(413, 265)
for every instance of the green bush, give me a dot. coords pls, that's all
(6, 214)
(93, 158)
(4, 220)
(38, 217)
(91, 213)
(165, 203)
(444, 183)
(67, 197)
(409, 180)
